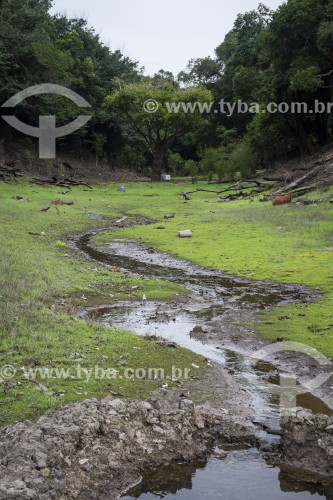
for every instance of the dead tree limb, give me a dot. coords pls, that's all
(66, 183)
(295, 184)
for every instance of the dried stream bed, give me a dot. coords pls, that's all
(213, 320)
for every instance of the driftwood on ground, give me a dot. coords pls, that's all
(296, 183)
(319, 175)
(66, 182)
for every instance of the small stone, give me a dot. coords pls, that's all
(117, 404)
(41, 464)
(187, 233)
(185, 403)
(329, 429)
(30, 493)
(18, 484)
(219, 453)
(45, 472)
(199, 422)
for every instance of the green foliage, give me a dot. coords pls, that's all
(213, 161)
(36, 47)
(282, 56)
(160, 128)
(242, 159)
(307, 80)
(175, 163)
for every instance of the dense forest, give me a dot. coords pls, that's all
(284, 56)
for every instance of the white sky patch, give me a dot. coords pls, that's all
(161, 34)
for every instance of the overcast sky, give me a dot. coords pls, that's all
(161, 34)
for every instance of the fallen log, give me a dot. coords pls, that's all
(296, 183)
(67, 183)
(239, 187)
(186, 196)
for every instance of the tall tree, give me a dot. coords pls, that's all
(157, 126)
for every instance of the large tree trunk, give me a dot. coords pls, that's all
(158, 162)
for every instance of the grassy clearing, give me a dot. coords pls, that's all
(288, 244)
(42, 281)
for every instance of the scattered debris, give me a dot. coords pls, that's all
(91, 215)
(45, 209)
(121, 189)
(58, 201)
(160, 227)
(169, 216)
(167, 343)
(66, 182)
(282, 199)
(185, 196)
(21, 198)
(119, 221)
(303, 201)
(187, 233)
(219, 453)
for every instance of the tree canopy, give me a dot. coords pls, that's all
(283, 56)
(158, 127)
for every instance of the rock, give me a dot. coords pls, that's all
(41, 462)
(117, 404)
(93, 449)
(169, 216)
(198, 329)
(307, 443)
(274, 432)
(30, 493)
(187, 233)
(199, 422)
(219, 453)
(186, 403)
(18, 484)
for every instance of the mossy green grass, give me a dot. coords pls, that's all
(44, 282)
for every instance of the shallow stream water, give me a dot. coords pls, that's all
(214, 296)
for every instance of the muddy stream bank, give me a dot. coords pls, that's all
(216, 320)
(218, 435)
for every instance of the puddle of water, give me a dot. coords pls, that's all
(156, 319)
(243, 475)
(147, 319)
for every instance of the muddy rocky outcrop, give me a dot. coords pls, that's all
(307, 445)
(95, 449)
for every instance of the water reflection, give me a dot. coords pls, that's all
(243, 475)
